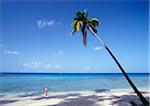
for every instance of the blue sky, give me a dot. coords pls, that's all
(36, 36)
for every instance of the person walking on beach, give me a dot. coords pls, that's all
(46, 92)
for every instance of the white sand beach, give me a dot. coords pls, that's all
(84, 98)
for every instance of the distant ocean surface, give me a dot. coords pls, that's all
(59, 82)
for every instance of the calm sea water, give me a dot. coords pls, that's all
(17, 83)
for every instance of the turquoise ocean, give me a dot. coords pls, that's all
(60, 82)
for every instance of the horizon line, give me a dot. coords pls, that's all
(70, 73)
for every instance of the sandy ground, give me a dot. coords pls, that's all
(85, 98)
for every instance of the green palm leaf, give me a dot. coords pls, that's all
(95, 22)
(81, 21)
(76, 25)
(92, 27)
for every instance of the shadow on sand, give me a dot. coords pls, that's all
(128, 100)
(77, 99)
(125, 100)
(7, 101)
(80, 101)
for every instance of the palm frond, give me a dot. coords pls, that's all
(92, 27)
(81, 21)
(94, 21)
(80, 15)
(74, 22)
(76, 25)
(85, 13)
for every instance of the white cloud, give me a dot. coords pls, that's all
(48, 65)
(46, 23)
(40, 65)
(86, 68)
(57, 66)
(32, 64)
(97, 48)
(60, 52)
(11, 52)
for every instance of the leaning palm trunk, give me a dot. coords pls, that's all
(83, 22)
(144, 101)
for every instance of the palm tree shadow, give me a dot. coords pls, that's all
(2, 102)
(80, 101)
(126, 100)
(92, 100)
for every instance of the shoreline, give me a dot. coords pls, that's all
(79, 91)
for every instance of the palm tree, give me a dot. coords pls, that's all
(82, 22)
